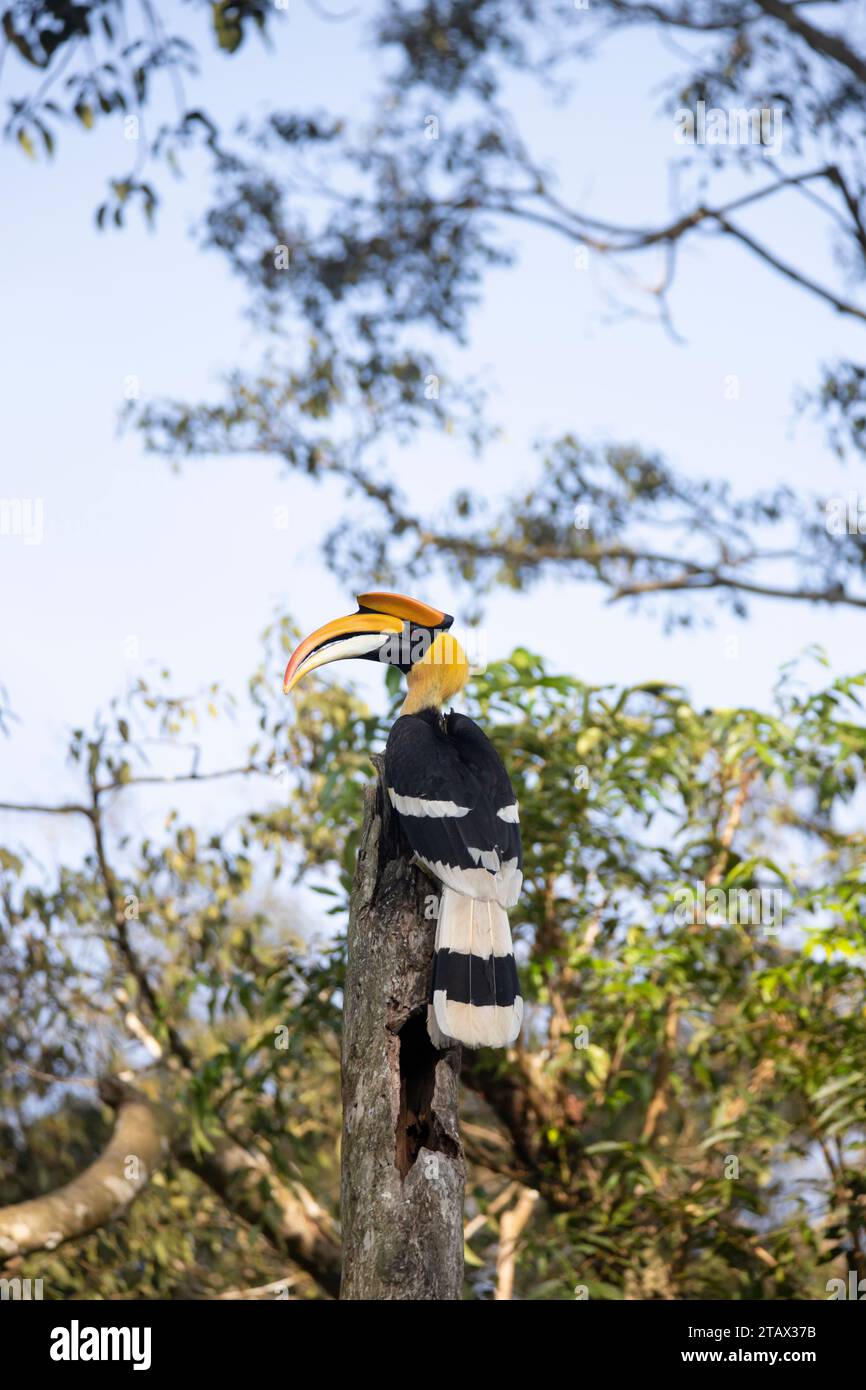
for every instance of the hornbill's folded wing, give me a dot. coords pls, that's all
(477, 753)
(450, 805)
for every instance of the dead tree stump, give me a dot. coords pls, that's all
(403, 1174)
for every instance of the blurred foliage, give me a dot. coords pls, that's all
(94, 60)
(365, 243)
(366, 239)
(688, 1096)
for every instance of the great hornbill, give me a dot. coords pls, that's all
(455, 803)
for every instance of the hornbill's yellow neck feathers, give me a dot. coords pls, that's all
(397, 631)
(456, 806)
(437, 675)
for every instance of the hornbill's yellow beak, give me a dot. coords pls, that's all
(368, 633)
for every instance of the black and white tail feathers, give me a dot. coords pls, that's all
(474, 990)
(455, 802)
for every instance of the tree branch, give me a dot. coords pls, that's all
(137, 1148)
(819, 40)
(511, 1226)
(286, 1214)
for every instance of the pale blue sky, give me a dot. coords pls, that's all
(192, 565)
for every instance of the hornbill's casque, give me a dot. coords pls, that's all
(455, 803)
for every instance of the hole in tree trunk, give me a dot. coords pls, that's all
(417, 1125)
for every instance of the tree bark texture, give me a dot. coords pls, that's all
(403, 1173)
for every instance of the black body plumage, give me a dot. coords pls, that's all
(457, 808)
